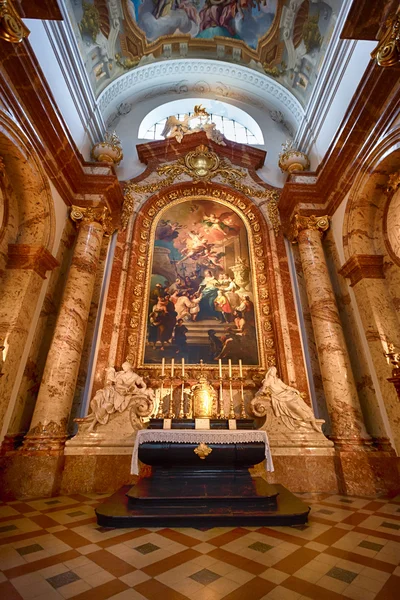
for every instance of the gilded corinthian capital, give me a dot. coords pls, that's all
(387, 52)
(90, 214)
(12, 28)
(300, 223)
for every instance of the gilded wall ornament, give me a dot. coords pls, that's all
(393, 182)
(202, 450)
(387, 52)
(12, 28)
(98, 214)
(300, 223)
(202, 164)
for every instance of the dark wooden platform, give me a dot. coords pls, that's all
(121, 510)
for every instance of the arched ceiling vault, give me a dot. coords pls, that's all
(280, 43)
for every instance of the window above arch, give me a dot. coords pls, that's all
(235, 124)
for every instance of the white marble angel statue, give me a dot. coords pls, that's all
(287, 402)
(121, 387)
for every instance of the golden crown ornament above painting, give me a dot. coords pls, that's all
(109, 151)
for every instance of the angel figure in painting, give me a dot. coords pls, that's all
(120, 389)
(287, 402)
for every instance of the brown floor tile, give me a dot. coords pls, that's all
(386, 515)
(181, 538)
(229, 536)
(373, 506)
(285, 537)
(321, 520)
(355, 519)
(360, 559)
(71, 538)
(101, 592)
(114, 565)
(295, 561)
(391, 589)
(8, 591)
(44, 521)
(171, 562)
(19, 538)
(155, 590)
(79, 497)
(58, 507)
(22, 507)
(311, 590)
(49, 561)
(124, 537)
(80, 522)
(339, 506)
(331, 536)
(254, 589)
(237, 561)
(381, 534)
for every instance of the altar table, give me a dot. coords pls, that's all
(179, 436)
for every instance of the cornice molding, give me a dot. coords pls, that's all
(132, 82)
(25, 91)
(29, 257)
(363, 266)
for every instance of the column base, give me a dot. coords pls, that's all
(26, 475)
(44, 444)
(367, 473)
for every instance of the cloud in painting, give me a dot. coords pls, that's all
(176, 20)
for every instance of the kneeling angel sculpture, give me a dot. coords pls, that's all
(121, 387)
(287, 403)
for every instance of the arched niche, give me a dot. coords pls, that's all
(28, 212)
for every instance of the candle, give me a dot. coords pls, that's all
(163, 367)
(172, 367)
(220, 368)
(183, 367)
(230, 367)
(240, 368)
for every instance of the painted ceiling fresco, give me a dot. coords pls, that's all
(285, 39)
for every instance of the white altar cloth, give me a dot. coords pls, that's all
(196, 436)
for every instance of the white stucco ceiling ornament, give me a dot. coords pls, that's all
(217, 80)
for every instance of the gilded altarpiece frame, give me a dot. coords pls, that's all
(133, 329)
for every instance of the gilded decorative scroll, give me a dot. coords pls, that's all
(387, 52)
(12, 28)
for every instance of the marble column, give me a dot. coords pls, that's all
(348, 429)
(380, 323)
(47, 433)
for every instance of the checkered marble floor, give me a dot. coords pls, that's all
(53, 548)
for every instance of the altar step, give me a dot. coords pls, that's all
(198, 331)
(144, 505)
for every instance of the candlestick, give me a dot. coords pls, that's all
(160, 412)
(221, 399)
(181, 407)
(242, 409)
(231, 409)
(172, 367)
(220, 368)
(240, 368)
(230, 367)
(183, 367)
(163, 367)
(171, 397)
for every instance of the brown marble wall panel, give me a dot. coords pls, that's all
(19, 292)
(27, 393)
(305, 473)
(310, 341)
(365, 388)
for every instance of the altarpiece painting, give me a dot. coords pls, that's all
(200, 296)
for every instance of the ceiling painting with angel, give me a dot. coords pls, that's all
(200, 297)
(246, 20)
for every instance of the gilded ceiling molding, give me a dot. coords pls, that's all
(387, 52)
(12, 28)
(300, 223)
(91, 214)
